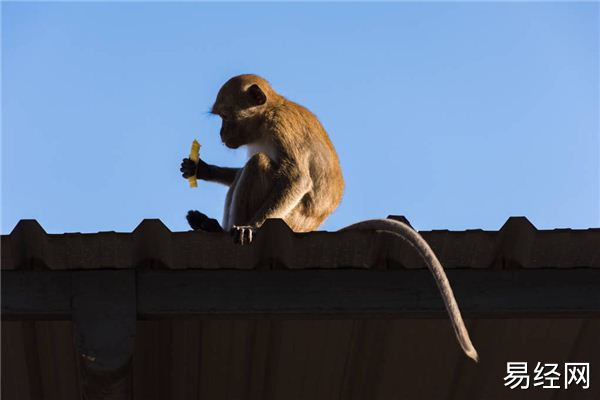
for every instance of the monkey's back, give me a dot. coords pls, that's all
(310, 140)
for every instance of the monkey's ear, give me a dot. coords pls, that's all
(257, 95)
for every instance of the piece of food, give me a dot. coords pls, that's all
(194, 156)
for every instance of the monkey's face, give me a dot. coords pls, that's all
(235, 132)
(240, 104)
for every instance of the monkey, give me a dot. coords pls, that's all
(293, 173)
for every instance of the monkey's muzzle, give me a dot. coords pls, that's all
(231, 142)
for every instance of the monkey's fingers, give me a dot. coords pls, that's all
(248, 235)
(188, 168)
(242, 235)
(186, 174)
(187, 162)
(238, 235)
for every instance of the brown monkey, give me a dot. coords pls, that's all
(292, 173)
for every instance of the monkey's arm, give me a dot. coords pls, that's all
(222, 175)
(208, 172)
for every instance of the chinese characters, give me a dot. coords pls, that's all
(547, 375)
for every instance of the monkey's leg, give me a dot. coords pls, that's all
(253, 186)
(250, 191)
(227, 217)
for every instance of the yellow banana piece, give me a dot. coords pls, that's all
(194, 156)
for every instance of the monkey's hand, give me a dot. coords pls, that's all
(243, 234)
(200, 169)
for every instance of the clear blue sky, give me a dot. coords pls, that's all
(456, 115)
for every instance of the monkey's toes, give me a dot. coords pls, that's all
(195, 219)
(199, 221)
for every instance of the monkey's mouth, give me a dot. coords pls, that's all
(231, 143)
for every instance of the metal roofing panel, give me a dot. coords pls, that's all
(518, 244)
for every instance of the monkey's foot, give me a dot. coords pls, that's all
(200, 222)
(242, 234)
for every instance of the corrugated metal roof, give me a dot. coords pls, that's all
(518, 244)
(307, 356)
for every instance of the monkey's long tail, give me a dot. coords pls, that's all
(413, 238)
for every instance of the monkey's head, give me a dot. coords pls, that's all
(241, 103)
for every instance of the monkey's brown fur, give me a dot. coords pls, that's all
(292, 173)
